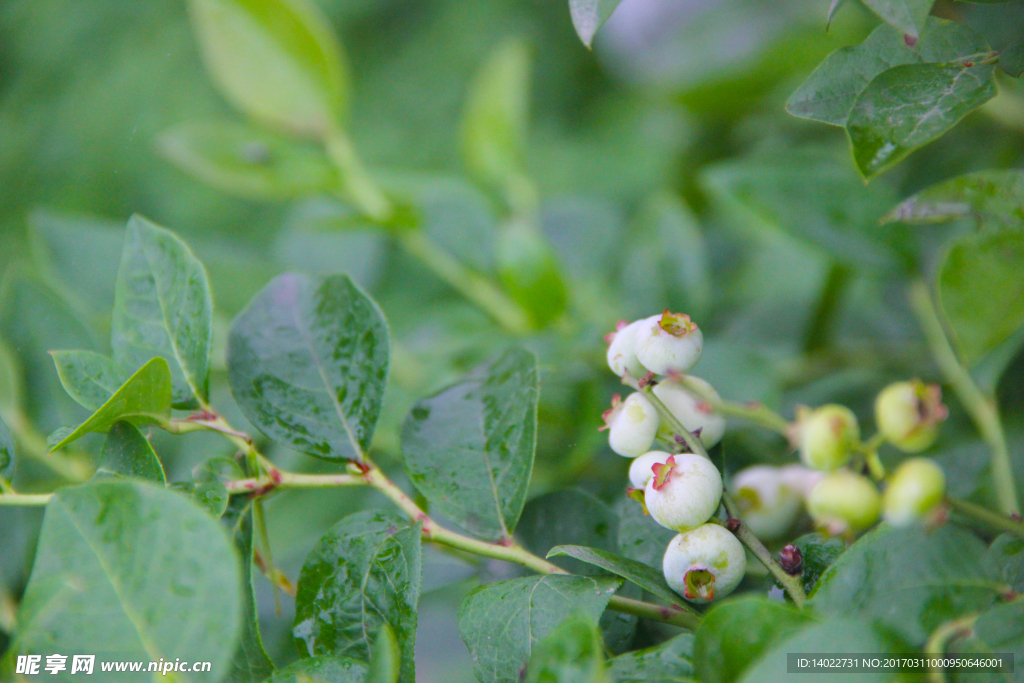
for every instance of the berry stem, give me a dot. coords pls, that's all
(982, 409)
(792, 584)
(943, 636)
(25, 499)
(754, 412)
(991, 519)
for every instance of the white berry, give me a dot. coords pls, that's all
(769, 506)
(632, 425)
(622, 351)
(669, 342)
(704, 564)
(800, 479)
(684, 492)
(690, 410)
(640, 471)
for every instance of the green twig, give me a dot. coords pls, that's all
(26, 499)
(991, 519)
(942, 637)
(754, 412)
(982, 409)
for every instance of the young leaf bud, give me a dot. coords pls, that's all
(640, 472)
(908, 414)
(704, 564)
(622, 351)
(684, 492)
(800, 479)
(825, 436)
(669, 342)
(769, 505)
(914, 490)
(844, 501)
(632, 425)
(691, 411)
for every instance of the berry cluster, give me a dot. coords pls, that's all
(682, 490)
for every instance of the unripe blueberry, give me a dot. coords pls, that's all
(915, 489)
(691, 411)
(704, 564)
(669, 342)
(622, 351)
(640, 471)
(844, 501)
(826, 435)
(632, 425)
(800, 479)
(769, 506)
(684, 492)
(908, 414)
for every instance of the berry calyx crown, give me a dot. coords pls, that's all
(663, 472)
(676, 324)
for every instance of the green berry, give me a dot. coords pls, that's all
(826, 436)
(916, 488)
(621, 350)
(908, 414)
(843, 501)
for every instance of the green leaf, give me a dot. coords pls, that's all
(128, 453)
(365, 572)
(590, 15)
(322, 669)
(670, 662)
(640, 537)
(909, 580)
(907, 16)
(981, 290)
(572, 653)
(469, 449)
(530, 272)
(1001, 629)
(834, 636)
(7, 461)
(990, 197)
(647, 578)
(1000, 23)
(735, 633)
(308, 362)
(144, 398)
(250, 663)
(494, 123)
(1007, 552)
(276, 60)
(212, 496)
(163, 307)
(11, 389)
(248, 162)
(128, 571)
(831, 91)
(910, 105)
(89, 377)
(819, 552)
(502, 622)
(386, 659)
(568, 517)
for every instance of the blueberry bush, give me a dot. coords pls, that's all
(346, 417)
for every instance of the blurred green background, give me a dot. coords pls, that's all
(669, 176)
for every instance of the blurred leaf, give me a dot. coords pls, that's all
(128, 453)
(1001, 629)
(212, 496)
(163, 307)
(35, 319)
(830, 93)
(735, 633)
(494, 122)
(647, 578)
(385, 661)
(572, 653)
(276, 60)
(909, 580)
(308, 361)
(811, 195)
(981, 289)
(89, 377)
(990, 197)
(530, 272)
(1000, 23)
(11, 390)
(670, 662)
(907, 16)
(245, 161)
(501, 623)
(1007, 552)
(569, 516)
(364, 573)
(322, 669)
(7, 461)
(589, 15)
(640, 537)
(144, 398)
(819, 552)
(469, 449)
(911, 105)
(250, 663)
(129, 571)
(834, 636)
